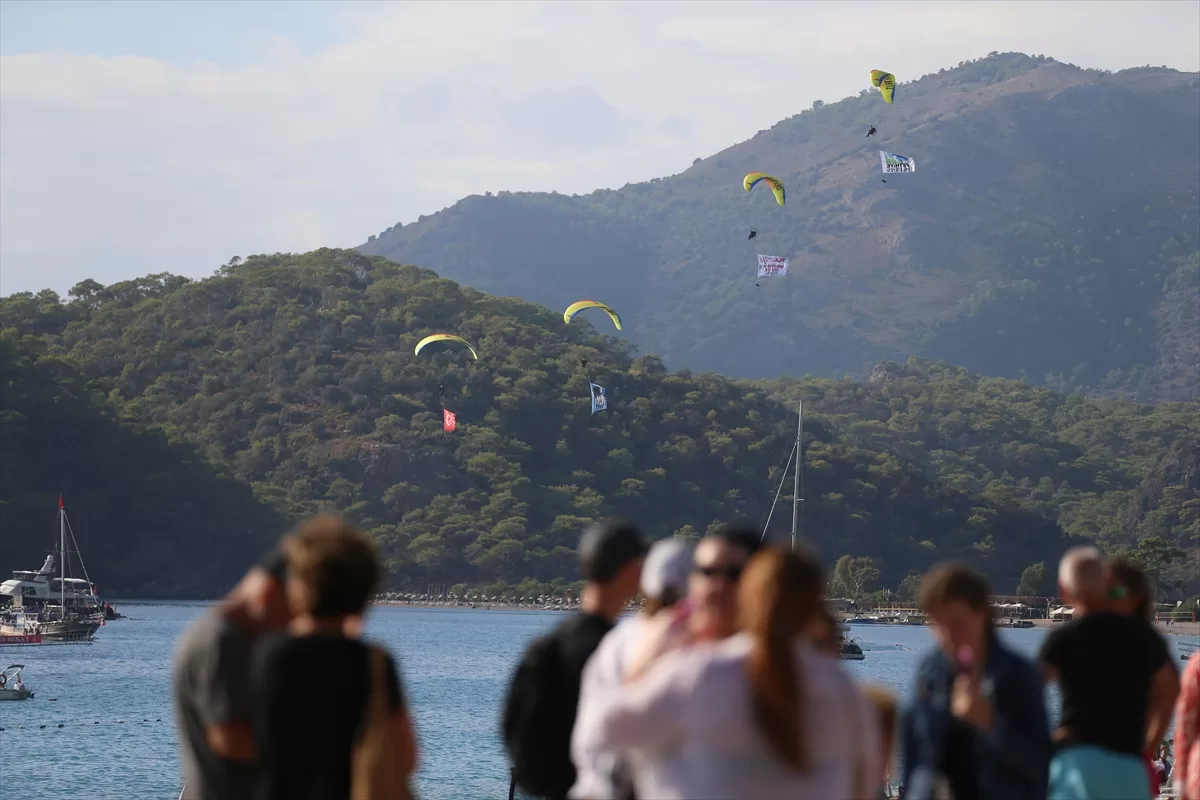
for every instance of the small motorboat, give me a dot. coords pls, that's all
(851, 651)
(11, 686)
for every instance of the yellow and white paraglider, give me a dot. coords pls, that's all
(444, 337)
(754, 178)
(885, 82)
(575, 308)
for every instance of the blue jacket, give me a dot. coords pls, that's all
(1012, 760)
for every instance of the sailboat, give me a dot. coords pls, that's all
(49, 609)
(849, 649)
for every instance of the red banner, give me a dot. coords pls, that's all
(449, 421)
(30, 639)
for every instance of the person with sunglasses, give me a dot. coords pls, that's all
(759, 714)
(710, 611)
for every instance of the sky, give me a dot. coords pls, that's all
(144, 137)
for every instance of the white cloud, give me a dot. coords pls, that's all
(115, 167)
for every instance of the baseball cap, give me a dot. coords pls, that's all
(667, 567)
(608, 546)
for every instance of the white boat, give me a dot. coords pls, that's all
(44, 587)
(11, 686)
(57, 609)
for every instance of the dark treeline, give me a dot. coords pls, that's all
(191, 421)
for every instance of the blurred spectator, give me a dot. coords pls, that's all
(977, 721)
(1129, 591)
(1187, 733)
(823, 632)
(211, 685)
(711, 610)
(760, 714)
(543, 698)
(884, 703)
(603, 775)
(1130, 594)
(323, 742)
(1118, 688)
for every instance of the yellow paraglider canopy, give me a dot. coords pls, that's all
(776, 185)
(575, 308)
(885, 82)
(444, 337)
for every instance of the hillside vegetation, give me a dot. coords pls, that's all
(295, 375)
(1051, 233)
(151, 518)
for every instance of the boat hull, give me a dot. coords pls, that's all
(15, 694)
(52, 632)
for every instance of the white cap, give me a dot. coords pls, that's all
(666, 567)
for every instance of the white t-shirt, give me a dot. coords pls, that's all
(602, 676)
(694, 708)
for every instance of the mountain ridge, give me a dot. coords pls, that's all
(1006, 231)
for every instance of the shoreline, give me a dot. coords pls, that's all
(1174, 629)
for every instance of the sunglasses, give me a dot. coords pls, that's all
(731, 573)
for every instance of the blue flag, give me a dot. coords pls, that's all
(599, 401)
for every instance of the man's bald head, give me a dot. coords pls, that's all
(1082, 577)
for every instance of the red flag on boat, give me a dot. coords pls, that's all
(449, 421)
(60, 503)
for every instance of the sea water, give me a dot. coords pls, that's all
(100, 724)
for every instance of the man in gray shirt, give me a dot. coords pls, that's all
(211, 677)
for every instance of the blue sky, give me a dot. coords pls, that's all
(140, 137)
(229, 32)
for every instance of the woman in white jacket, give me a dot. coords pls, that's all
(761, 715)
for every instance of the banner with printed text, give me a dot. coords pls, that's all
(893, 163)
(771, 265)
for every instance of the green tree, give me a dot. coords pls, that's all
(854, 577)
(1033, 581)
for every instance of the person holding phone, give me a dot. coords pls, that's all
(977, 721)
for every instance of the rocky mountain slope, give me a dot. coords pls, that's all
(1050, 232)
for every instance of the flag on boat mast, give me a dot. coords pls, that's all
(60, 503)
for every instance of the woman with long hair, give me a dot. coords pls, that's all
(761, 714)
(977, 720)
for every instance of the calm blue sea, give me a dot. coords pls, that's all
(117, 738)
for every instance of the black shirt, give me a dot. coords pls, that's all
(310, 697)
(578, 637)
(1105, 665)
(958, 760)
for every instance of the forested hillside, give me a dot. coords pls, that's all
(296, 376)
(151, 518)
(1050, 232)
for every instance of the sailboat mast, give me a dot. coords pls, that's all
(62, 557)
(796, 499)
